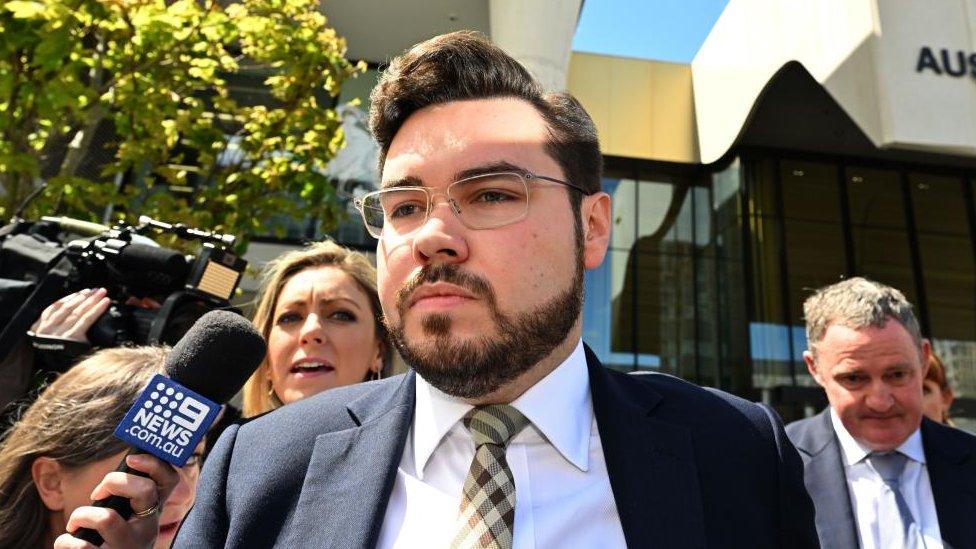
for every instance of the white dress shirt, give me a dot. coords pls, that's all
(865, 484)
(563, 495)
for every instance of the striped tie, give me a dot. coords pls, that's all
(487, 517)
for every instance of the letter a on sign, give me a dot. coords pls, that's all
(926, 60)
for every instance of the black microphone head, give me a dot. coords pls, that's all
(216, 355)
(163, 263)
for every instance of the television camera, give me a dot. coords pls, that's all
(42, 261)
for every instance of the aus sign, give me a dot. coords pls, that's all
(957, 63)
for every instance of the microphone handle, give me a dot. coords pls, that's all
(120, 504)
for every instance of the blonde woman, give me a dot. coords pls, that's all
(319, 312)
(56, 458)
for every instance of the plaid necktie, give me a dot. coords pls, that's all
(487, 517)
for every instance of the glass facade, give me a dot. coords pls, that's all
(707, 273)
(668, 296)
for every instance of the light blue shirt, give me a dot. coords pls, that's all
(865, 486)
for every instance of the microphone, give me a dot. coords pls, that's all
(154, 263)
(78, 226)
(205, 369)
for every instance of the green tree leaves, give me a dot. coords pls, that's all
(153, 77)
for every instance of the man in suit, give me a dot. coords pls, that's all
(880, 474)
(507, 432)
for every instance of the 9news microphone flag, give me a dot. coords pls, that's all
(205, 369)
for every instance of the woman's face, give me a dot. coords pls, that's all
(78, 483)
(935, 402)
(323, 334)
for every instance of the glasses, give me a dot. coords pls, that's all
(481, 202)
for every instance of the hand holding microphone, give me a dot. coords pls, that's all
(144, 494)
(205, 368)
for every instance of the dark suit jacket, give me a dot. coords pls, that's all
(688, 467)
(950, 456)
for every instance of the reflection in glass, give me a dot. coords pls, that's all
(810, 191)
(707, 274)
(658, 298)
(942, 222)
(772, 364)
(813, 234)
(880, 239)
(731, 369)
(652, 304)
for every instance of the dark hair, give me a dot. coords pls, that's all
(71, 422)
(465, 65)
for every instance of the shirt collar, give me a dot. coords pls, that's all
(854, 451)
(568, 385)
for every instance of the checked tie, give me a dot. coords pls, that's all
(487, 516)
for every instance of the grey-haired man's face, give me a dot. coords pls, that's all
(873, 379)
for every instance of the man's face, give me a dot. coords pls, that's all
(873, 379)
(506, 296)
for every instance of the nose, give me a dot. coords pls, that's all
(440, 239)
(879, 397)
(312, 330)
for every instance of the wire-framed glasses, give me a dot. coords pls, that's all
(481, 202)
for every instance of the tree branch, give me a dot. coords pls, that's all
(82, 140)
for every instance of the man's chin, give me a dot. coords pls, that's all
(429, 343)
(445, 326)
(884, 438)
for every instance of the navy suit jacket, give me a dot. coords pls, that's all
(950, 456)
(688, 467)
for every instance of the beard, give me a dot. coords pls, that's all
(473, 368)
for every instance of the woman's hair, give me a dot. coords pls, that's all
(937, 372)
(258, 395)
(71, 422)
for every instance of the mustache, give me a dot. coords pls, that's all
(451, 274)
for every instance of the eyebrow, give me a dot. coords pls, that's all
(492, 167)
(408, 181)
(300, 303)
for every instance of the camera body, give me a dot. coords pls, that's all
(157, 293)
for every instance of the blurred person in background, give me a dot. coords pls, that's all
(880, 473)
(937, 395)
(319, 312)
(54, 459)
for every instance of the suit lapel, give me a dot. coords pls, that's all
(351, 473)
(950, 465)
(651, 463)
(827, 485)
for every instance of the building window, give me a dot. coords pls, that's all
(661, 300)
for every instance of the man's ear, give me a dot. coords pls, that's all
(48, 476)
(926, 355)
(596, 215)
(812, 366)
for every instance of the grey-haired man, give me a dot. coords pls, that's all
(879, 474)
